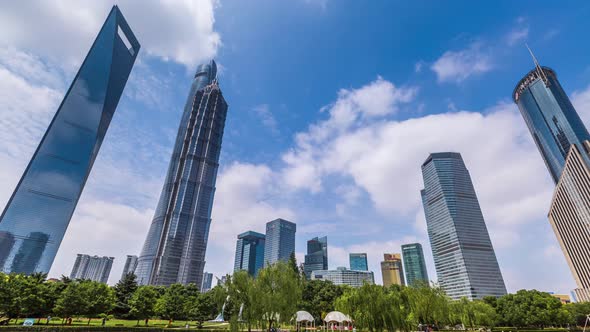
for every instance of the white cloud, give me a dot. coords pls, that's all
(180, 31)
(456, 66)
(581, 101)
(517, 35)
(267, 118)
(353, 107)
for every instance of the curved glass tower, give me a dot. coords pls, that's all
(37, 215)
(174, 250)
(550, 117)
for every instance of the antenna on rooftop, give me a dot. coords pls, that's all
(538, 68)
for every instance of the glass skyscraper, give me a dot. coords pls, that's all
(317, 255)
(463, 254)
(280, 241)
(249, 252)
(414, 264)
(358, 262)
(37, 215)
(174, 250)
(130, 265)
(550, 117)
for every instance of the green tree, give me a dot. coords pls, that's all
(201, 308)
(101, 299)
(143, 302)
(124, 289)
(429, 304)
(279, 292)
(530, 308)
(578, 312)
(172, 304)
(373, 307)
(245, 293)
(73, 301)
(319, 297)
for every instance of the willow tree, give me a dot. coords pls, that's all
(278, 292)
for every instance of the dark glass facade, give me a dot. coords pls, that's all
(317, 255)
(250, 252)
(358, 262)
(464, 257)
(37, 215)
(414, 264)
(174, 250)
(550, 117)
(280, 241)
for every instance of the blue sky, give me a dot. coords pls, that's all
(334, 105)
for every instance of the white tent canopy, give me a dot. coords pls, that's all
(304, 316)
(337, 316)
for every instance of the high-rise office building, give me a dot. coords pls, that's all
(92, 268)
(130, 265)
(414, 264)
(358, 262)
(392, 270)
(38, 213)
(343, 276)
(550, 117)
(280, 241)
(207, 282)
(464, 258)
(249, 252)
(570, 217)
(317, 255)
(174, 250)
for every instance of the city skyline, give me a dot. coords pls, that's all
(322, 143)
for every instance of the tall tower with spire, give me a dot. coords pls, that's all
(174, 250)
(550, 116)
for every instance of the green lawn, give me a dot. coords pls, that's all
(122, 322)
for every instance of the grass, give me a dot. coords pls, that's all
(122, 322)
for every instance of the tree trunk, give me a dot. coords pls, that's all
(137, 323)
(88, 321)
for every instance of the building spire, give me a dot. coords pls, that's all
(538, 68)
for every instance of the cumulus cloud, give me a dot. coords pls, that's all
(180, 31)
(457, 66)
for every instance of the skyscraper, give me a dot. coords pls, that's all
(550, 117)
(392, 270)
(92, 268)
(280, 241)
(317, 255)
(207, 282)
(414, 263)
(40, 208)
(463, 254)
(249, 252)
(174, 250)
(130, 265)
(570, 217)
(358, 262)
